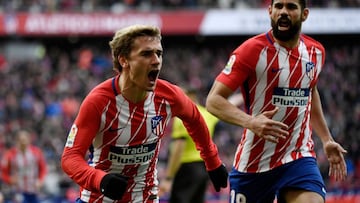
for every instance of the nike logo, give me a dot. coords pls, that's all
(274, 70)
(115, 129)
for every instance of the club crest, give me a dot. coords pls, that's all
(156, 125)
(310, 70)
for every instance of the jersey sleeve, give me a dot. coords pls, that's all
(195, 124)
(239, 66)
(6, 167)
(211, 120)
(79, 140)
(178, 130)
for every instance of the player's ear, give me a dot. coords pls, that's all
(305, 14)
(270, 9)
(123, 61)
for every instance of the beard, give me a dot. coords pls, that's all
(286, 35)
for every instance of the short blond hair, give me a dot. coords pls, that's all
(122, 42)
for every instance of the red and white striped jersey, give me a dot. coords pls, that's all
(270, 75)
(27, 167)
(125, 137)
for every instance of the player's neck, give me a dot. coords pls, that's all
(22, 149)
(290, 44)
(130, 91)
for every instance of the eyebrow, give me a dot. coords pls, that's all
(291, 4)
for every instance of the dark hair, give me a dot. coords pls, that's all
(303, 3)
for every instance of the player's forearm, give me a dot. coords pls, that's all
(78, 170)
(199, 133)
(317, 119)
(226, 111)
(204, 144)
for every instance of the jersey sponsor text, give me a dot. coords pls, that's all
(290, 97)
(132, 155)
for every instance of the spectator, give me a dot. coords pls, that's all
(24, 169)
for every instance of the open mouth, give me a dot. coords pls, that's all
(284, 24)
(153, 75)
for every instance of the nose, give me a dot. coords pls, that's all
(284, 11)
(156, 59)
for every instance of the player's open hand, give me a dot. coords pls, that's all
(335, 154)
(264, 126)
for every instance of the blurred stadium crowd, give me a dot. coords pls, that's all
(119, 6)
(43, 82)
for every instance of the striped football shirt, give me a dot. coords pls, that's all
(270, 75)
(124, 137)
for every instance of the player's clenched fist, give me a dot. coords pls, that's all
(219, 177)
(113, 186)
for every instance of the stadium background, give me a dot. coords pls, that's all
(53, 52)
